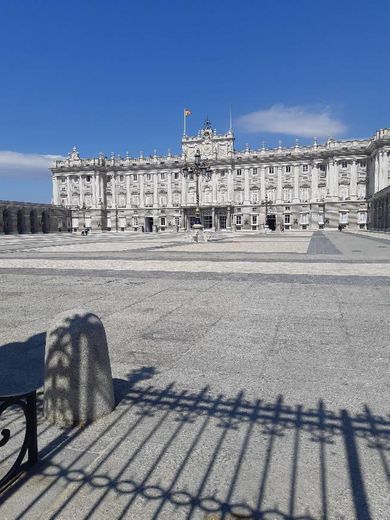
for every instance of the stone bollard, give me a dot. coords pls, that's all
(78, 380)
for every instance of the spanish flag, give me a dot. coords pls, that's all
(187, 112)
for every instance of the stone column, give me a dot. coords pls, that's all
(246, 187)
(128, 191)
(95, 197)
(262, 183)
(214, 185)
(230, 184)
(333, 179)
(169, 184)
(183, 190)
(155, 190)
(55, 189)
(228, 219)
(279, 186)
(314, 182)
(353, 183)
(382, 170)
(81, 190)
(296, 183)
(182, 220)
(68, 190)
(141, 190)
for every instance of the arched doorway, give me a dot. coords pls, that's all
(6, 221)
(45, 222)
(19, 221)
(33, 221)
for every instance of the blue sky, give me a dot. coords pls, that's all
(115, 76)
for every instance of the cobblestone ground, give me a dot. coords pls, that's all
(251, 373)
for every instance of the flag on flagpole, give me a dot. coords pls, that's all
(187, 112)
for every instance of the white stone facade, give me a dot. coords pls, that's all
(303, 187)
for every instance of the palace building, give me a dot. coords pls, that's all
(300, 187)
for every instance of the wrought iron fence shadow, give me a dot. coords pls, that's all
(154, 426)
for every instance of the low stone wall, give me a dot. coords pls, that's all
(29, 217)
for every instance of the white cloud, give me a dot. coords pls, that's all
(25, 165)
(303, 121)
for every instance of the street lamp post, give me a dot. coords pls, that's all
(197, 169)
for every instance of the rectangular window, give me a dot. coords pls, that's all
(88, 178)
(254, 220)
(163, 221)
(271, 169)
(176, 175)
(148, 176)
(305, 168)
(362, 217)
(304, 194)
(361, 191)
(162, 176)
(344, 164)
(135, 177)
(239, 172)
(222, 173)
(135, 221)
(177, 221)
(343, 217)
(322, 167)
(304, 219)
(286, 194)
(238, 220)
(63, 179)
(288, 169)
(254, 171)
(287, 218)
(362, 163)
(121, 178)
(254, 196)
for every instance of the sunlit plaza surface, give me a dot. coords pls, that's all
(251, 374)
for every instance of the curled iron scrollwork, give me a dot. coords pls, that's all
(28, 450)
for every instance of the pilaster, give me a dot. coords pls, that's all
(314, 182)
(279, 186)
(169, 189)
(141, 191)
(262, 183)
(296, 183)
(246, 187)
(128, 192)
(353, 183)
(155, 190)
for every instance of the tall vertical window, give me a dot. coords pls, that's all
(239, 172)
(304, 194)
(287, 194)
(271, 169)
(288, 169)
(305, 168)
(254, 196)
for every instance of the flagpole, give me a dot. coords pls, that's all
(184, 123)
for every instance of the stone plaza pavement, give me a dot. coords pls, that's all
(251, 375)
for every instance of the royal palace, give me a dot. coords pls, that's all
(301, 187)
